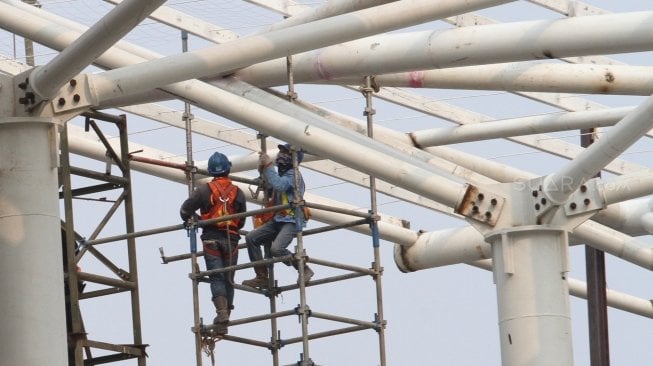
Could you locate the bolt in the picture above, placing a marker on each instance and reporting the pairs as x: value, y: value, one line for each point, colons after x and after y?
x: 586, y: 201
x: 76, y: 98
x: 73, y: 83
x: 572, y: 205
x: 475, y: 209
x: 22, y: 85
x: 543, y: 200
x: 61, y: 102
x: 537, y: 206
x: 494, y: 202
x: 488, y: 215
x: 22, y: 100
x: 535, y: 193
x: 583, y: 188
x: 480, y: 196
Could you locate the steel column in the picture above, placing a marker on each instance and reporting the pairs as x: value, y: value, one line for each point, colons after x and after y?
x: 32, y: 284
x: 530, y: 272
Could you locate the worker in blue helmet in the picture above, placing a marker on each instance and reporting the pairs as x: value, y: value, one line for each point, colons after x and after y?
x: 215, y: 199
x: 279, y: 232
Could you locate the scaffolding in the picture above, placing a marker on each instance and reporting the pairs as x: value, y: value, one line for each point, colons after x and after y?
x: 80, y: 347
x: 205, y: 334
x: 76, y: 246
x: 126, y: 280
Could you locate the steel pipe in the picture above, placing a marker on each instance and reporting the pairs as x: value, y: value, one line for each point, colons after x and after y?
x: 329, y: 9
x: 390, y: 231
x: 246, y: 51
x: 32, y: 283
x: 519, y: 126
x: 522, y: 77
x: 615, y: 299
x: 560, y: 185
x: 530, y: 270
x: 47, y: 79
x: 466, y: 46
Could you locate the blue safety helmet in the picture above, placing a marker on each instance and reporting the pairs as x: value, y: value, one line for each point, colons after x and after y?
x: 286, y: 148
x: 219, y: 164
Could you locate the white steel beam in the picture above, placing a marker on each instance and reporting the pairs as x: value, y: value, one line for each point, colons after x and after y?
x: 388, y: 226
x: 627, y: 187
x: 615, y: 299
x: 467, y: 46
x: 406, y: 152
x: 462, y: 116
x: 387, y: 166
x: 560, y: 185
x: 328, y: 9
x: 633, y: 217
x: 234, y: 136
x: 32, y: 311
x: 116, y: 59
x: 285, y: 7
x: 279, y: 43
x: 539, y: 77
x: 519, y: 126
x: 47, y: 79
x: 320, y: 141
x: 192, y: 25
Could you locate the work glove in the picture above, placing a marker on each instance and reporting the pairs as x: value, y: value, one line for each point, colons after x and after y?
x: 264, y: 161
x: 191, y: 223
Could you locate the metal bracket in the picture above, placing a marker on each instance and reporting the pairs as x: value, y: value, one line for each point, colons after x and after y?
x: 481, y: 206
x: 74, y: 95
x: 587, y: 198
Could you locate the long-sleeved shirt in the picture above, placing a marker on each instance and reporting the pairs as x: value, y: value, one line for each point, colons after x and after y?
x: 201, y: 199
x: 281, y: 184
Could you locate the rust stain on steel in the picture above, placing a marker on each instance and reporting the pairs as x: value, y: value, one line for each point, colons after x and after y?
x: 609, y: 78
x: 467, y: 202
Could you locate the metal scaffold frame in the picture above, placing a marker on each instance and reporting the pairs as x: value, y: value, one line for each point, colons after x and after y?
x: 76, y: 247
x: 521, y: 223
x: 206, y: 338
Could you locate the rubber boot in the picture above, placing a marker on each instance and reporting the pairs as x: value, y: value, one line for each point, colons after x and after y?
x: 261, y: 279
x: 222, y: 309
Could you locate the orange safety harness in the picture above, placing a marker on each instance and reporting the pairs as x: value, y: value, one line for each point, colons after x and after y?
x: 223, y: 191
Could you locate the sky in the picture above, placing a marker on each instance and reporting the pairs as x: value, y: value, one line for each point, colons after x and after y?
x: 439, y: 316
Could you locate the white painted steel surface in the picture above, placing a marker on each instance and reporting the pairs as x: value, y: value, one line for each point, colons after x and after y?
x: 532, y: 300
x: 32, y: 311
x: 474, y: 45
x: 538, y: 76
x: 530, y: 272
x: 558, y: 186
x: 230, y: 56
x: 47, y: 79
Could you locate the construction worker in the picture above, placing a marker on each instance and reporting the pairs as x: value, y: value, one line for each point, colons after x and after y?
x: 277, y: 233
x: 214, y: 199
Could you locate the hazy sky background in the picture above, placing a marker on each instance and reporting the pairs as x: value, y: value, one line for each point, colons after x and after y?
x: 441, y: 316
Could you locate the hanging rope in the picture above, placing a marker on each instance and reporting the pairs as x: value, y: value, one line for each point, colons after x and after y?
x: 208, y: 346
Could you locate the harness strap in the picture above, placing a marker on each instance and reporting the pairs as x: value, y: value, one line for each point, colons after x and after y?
x: 217, y: 252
